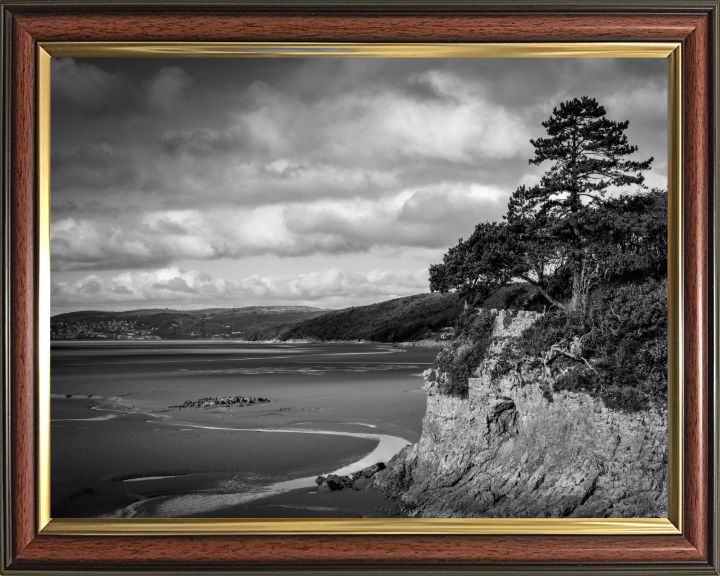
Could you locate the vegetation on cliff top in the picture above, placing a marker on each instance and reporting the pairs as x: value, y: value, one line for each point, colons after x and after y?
x: 456, y: 363
x: 615, y: 349
x: 598, y: 262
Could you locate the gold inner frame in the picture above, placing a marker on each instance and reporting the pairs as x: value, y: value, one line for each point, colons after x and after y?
x: 501, y: 526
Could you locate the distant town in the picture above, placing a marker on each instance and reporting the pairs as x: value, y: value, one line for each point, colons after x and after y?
x: 102, y: 330
x: 166, y: 324
x: 121, y: 330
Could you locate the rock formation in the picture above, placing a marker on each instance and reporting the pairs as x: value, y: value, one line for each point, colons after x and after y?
x: 221, y: 401
x: 515, y: 448
x: 357, y: 481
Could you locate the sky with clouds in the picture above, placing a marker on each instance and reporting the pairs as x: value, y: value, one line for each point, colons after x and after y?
x: 297, y: 181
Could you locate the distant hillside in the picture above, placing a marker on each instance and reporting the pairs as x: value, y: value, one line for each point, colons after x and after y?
x: 399, y: 320
x: 408, y: 319
x: 237, y: 323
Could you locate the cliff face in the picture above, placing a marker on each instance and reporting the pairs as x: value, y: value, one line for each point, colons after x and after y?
x: 514, y: 448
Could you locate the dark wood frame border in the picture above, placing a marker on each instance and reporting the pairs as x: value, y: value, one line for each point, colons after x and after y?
x: 694, y: 23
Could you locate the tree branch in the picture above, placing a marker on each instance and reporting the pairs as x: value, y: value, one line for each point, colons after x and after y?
x: 543, y: 293
x: 562, y: 352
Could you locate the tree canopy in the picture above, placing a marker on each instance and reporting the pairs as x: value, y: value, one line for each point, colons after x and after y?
x: 567, y: 234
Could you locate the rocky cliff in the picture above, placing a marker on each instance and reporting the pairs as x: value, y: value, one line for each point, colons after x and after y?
x: 516, y: 448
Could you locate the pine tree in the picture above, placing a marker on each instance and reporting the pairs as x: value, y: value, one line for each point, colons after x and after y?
x: 564, y: 236
x: 588, y: 152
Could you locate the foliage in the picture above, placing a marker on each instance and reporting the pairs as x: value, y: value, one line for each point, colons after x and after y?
x: 587, y: 152
x: 621, y: 337
x: 629, y: 237
x: 599, y: 259
x: 625, y: 239
x: 456, y: 363
x: 556, y: 235
x: 477, y: 267
x: 515, y: 296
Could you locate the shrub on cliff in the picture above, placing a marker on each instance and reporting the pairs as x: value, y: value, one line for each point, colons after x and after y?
x: 615, y: 349
x: 456, y: 363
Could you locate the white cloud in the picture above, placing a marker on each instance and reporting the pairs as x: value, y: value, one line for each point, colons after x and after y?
x: 157, y: 166
x: 381, y: 126
x: 332, y: 288
x: 430, y: 217
x: 644, y: 99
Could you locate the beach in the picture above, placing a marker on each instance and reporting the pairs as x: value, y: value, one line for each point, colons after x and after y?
x: 118, y: 451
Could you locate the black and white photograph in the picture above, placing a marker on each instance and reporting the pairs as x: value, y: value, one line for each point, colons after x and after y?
x: 325, y: 287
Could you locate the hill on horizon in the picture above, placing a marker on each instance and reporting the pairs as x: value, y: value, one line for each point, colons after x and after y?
x: 166, y: 323
x: 410, y: 318
x: 199, y: 311
x: 406, y: 319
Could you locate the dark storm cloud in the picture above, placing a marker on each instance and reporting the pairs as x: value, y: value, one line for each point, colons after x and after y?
x: 156, y: 161
x: 86, y: 89
x: 92, y: 166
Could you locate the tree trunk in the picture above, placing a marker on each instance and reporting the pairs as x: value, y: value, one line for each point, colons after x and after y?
x: 577, y: 290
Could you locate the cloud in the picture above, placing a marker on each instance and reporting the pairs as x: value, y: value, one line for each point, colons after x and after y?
x: 96, y: 244
x: 88, y: 90
x: 94, y: 166
x: 392, y: 160
x: 382, y: 124
x: 321, y: 129
x: 273, y: 145
x: 86, y: 87
x: 168, y: 87
x: 332, y: 288
x: 174, y: 285
x: 418, y: 218
x: 337, y: 285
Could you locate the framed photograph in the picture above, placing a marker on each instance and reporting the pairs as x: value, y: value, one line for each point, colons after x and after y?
x: 364, y: 287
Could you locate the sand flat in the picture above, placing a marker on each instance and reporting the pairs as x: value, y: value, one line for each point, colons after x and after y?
x: 354, y: 394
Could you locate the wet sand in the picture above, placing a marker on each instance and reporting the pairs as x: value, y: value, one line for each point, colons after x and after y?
x: 309, y: 503
x: 99, y: 456
x: 127, y: 457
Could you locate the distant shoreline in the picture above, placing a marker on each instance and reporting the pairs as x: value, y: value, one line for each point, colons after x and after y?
x: 407, y: 319
x: 428, y: 343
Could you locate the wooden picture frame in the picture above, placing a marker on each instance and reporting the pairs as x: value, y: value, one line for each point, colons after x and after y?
x: 28, y: 547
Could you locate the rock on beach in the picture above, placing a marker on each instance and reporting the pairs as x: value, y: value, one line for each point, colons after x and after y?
x: 357, y: 481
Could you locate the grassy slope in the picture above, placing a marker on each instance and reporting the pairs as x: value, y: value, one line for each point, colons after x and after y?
x: 402, y: 319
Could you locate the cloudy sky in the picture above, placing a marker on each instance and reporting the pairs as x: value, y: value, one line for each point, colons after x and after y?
x: 319, y: 182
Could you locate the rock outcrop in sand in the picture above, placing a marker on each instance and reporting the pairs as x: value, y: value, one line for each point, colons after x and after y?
x: 356, y: 481
x: 220, y: 401
x: 510, y: 449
